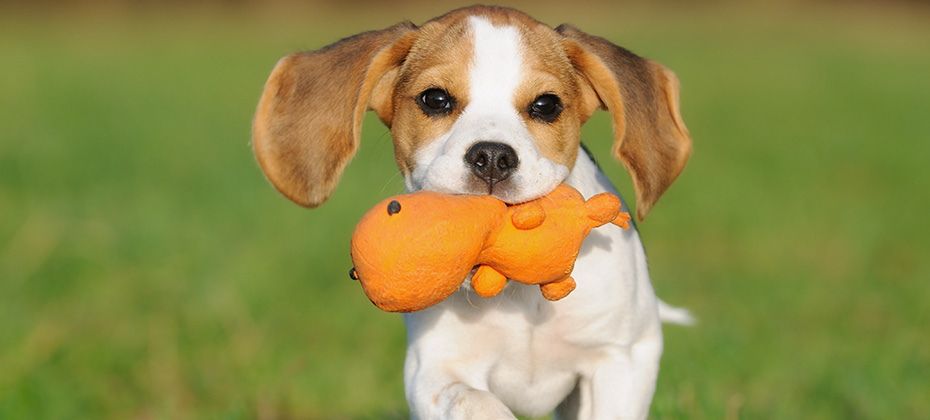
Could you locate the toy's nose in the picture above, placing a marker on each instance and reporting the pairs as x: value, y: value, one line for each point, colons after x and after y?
x: 491, y: 161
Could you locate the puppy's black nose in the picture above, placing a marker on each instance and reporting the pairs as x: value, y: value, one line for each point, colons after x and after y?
x: 491, y: 161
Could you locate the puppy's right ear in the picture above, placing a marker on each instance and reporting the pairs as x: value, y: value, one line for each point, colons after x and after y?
x: 309, y: 118
x: 650, y: 137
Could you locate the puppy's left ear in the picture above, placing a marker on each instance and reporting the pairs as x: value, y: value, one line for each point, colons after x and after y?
x: 650, y: 137
x: 308, y: 121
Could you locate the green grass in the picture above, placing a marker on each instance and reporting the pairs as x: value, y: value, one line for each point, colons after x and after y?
x: 147, y: 270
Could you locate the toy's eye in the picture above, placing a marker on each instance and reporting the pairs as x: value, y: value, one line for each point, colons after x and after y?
x: 393, y: 207
x: 436, y: 102
x: 545, y: 108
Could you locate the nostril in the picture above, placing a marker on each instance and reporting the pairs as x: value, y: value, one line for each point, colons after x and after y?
x: 503, y: 163
x: 481, y: 160
x: 491, y: 161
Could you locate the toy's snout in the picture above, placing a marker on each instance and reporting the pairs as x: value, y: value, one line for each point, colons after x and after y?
x: 392, y: 208
x: 412, y: 251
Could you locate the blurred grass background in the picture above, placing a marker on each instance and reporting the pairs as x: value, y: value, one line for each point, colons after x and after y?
x: 148, y: 271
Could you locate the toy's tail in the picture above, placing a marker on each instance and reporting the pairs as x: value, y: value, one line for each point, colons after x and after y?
x: 622, y: 220
x: 673, y: 315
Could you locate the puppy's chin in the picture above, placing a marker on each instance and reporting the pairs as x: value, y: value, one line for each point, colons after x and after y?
x: 509, y: 191
x: 506, y: 191
x: 527, y: 185
x: 502, y: 190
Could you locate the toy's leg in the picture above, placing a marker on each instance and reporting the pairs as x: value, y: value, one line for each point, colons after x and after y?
x: 557, y: 290
x: 528, y: 216
x: 487, y: 281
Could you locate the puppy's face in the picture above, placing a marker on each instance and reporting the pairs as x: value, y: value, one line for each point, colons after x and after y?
x: 482, y: 100
x: 485, y: 107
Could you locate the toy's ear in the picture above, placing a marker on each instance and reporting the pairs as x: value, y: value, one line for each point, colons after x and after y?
x: 603, y: 208
x: 308, y: 120
x: 650, y: 137
x: 528, y: 216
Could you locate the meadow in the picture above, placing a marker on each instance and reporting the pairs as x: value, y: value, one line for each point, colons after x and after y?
x: 149, y: 271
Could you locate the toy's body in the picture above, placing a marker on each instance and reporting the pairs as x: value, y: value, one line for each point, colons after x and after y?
x: 412, y: 251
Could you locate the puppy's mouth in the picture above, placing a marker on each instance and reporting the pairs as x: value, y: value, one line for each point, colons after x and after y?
x: 502, y: 190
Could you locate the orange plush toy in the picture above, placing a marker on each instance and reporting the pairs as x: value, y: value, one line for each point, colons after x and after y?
x: 414, y: 250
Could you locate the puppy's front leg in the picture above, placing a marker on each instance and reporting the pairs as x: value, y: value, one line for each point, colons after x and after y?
x: 454, y: 401
x: 621, y: 386
x: 444, y: 373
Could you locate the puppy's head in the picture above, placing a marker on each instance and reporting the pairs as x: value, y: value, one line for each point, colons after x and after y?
x: 482, y: 100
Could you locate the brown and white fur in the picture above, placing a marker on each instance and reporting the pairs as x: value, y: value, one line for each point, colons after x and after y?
x: 486, y: 100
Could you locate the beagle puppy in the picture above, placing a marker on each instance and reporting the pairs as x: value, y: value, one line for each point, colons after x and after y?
x: 487, y: 100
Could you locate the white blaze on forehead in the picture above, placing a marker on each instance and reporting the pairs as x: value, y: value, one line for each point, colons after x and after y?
x: 495, y: 72
x: 496, y: 69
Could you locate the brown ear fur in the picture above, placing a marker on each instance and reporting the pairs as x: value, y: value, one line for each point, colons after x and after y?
x: 650, y: 137
x: 308, y: 121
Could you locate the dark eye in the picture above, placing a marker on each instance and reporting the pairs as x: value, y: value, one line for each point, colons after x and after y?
x: 546, y: 108
x: 436, y: 102
x: 393, y: 207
